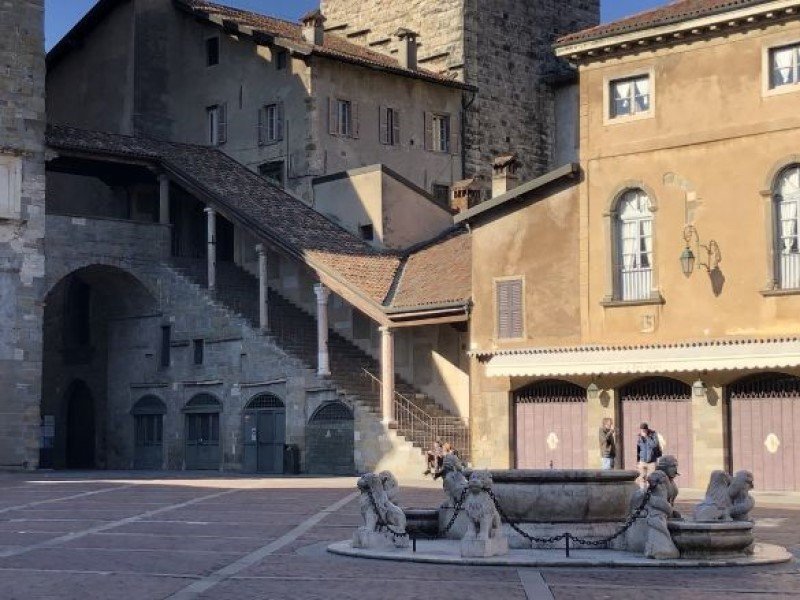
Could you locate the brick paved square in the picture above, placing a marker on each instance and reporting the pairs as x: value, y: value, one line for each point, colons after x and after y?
x: 148, y: 539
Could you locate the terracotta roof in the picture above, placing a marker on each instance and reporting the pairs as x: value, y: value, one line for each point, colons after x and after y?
x: 279, y: 216
x: 673, y: 12
x: 333, y: 46
x: 437, y: 273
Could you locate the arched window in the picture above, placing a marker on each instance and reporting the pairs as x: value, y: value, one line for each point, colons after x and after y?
x: 787, y: 198
x: 634, y: 239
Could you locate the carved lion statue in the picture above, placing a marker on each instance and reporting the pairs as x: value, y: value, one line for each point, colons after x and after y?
x: 382, y: 510
x: 454, y: 482
x: 483, y: 519
x: 739, y: 494
x: 717, y: 504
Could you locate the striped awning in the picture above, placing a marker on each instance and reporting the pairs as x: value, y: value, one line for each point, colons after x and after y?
x: 727, y: 355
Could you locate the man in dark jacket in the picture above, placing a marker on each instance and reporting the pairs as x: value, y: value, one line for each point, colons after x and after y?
x: 608, y: 444
x: 648, y: 451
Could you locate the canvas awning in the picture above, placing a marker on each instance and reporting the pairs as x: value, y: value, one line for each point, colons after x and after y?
x: 727, y: 355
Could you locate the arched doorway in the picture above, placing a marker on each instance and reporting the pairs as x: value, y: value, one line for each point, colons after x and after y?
x: 264, y: 434
x: 550, y: 420
x: 90, y: 317
x: 148, y: 433
x: 80, y: 427
x: 666, y: 406
x: 764, y: 425
x: 203, y: 450
x: 330, y: 436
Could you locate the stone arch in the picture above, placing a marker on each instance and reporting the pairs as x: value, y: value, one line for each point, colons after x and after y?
x: 775, y: 171
x: 630, y: 184
x: 330, y: 440
x: 82, y: 307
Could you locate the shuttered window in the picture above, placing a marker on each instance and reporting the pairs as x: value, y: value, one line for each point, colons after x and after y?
x: 217, y: 119
x: 270, y: 123
x: 343, y: 118
x: 389, y: 126
x: 510, y: 318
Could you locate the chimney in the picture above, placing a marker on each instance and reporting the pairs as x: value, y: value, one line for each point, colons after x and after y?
x: 313, y: 27
x: 504, y: 178
x: 466, y: 194
x: 407, y: 50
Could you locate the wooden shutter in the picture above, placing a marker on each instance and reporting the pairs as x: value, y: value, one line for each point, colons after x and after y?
x: 279, y: 121
x: 383, y: 124
x: 222, y: 123
x: 396, y: 127
x: 454, y: 124
x: 262, y: 117
x: 428, y: 131
x: 510, y: 318
x: 333, y: 116
x: 354, y: 120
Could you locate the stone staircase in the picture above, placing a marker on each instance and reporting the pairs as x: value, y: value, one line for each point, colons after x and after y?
x: 352, y: 370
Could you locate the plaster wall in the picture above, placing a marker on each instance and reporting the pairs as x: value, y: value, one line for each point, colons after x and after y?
x: 708, y: 156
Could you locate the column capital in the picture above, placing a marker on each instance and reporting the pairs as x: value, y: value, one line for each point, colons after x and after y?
x: 261, y: 249
x: 209, y: 210
x: 322, y: 292
x: 163, y: 177
x: 386, y: 330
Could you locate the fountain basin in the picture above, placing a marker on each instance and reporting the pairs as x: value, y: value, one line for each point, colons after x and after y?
x: 712, y: 540
x: 565, y: 496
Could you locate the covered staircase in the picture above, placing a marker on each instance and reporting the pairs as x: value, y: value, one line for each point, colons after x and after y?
x: 353, y: 372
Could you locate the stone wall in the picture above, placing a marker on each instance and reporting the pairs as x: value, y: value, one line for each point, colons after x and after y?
x: 504, y: 47
x: 21, y: 228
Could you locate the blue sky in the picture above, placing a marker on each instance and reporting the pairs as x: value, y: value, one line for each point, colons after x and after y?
x: 61, y: 15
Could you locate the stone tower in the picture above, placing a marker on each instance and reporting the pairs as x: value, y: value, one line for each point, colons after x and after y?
x: 503, y: 47
x: 22, y: 190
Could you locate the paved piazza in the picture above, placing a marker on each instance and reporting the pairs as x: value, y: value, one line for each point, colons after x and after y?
x: 120, y: 535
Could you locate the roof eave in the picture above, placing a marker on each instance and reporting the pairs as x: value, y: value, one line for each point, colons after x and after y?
x: 677, y: 30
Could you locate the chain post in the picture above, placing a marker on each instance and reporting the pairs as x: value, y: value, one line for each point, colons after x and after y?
x: 566, y: 542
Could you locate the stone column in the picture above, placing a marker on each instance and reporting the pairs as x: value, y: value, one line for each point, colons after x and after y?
x: 387, y: 375
x: 323, y: 359
x: 211, y: 239
x: 708, y: 434
x: 263, y: 289
x: 163, y: 199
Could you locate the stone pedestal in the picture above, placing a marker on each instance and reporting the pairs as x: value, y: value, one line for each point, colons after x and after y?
x: 373, y: 540
x: 496, y: 546
x: 712, y: 540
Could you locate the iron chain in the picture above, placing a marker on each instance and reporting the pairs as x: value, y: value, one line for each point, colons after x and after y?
x: 381, y: 523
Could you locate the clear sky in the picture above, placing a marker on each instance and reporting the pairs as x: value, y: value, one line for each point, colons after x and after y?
x: 61, y: 15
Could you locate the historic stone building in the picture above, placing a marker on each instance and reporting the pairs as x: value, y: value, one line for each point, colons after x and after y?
x: 657, y: 280
x: 504, y: 48
x: 22, y: 228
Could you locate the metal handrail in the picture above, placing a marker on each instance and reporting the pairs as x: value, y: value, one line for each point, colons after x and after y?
x: 415, y: 422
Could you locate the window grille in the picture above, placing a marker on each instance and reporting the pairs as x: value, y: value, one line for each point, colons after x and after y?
x: 550, y: 392
x: 264, y: 401
x: 765, y: 385
x: 656, y: 388
x: 333, y: 411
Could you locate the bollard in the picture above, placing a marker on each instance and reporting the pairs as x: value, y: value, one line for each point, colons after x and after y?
x: 566, y: 541
x: 414, y: 543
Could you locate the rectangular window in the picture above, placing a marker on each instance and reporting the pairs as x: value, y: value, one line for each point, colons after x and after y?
x: 389, y: 123
x: 273, y: 171
x: 199, y: 350
x: 441, y: 193
x: 437, y: 132
x: 367, y: 232
x: 281, y: 60
x: 510, y: 319
x: 166, y: 342
x: 629, y: 97
x: 270, y: 123
x: 212, y: 51
x: 784, y: 66
x: 216, y: 124
x: 10, y: 187
x: 343, y: 118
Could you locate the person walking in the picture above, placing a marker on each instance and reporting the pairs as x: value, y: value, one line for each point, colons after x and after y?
x: 648, y: 451
x: 608, y: 444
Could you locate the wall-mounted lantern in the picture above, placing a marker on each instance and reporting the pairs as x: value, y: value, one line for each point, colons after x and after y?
x: 713, y: 255
x: 593, y: 391
x: 699, y: 388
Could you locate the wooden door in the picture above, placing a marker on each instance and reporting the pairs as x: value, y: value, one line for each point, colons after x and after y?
x: 330, y: 439
x: 271, y: 440
x: 665, y: 405
x: 765, y: 421
x: 148, y: 446
x: 202, y: 441
x: 551, y: 425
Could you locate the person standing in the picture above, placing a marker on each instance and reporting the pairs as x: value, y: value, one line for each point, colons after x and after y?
x: 648, y: 451
x: 608, y: 444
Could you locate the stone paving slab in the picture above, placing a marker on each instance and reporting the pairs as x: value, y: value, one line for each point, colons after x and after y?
x: 157, y: 556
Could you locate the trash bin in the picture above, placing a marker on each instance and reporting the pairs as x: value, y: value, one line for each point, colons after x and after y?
x: 291, y: 459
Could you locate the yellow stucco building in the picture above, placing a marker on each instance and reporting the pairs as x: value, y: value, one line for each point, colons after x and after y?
x: 659, y: 279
